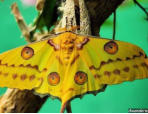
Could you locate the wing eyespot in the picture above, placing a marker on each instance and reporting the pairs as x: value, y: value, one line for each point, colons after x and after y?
x: 111, y: 47
x: 27, y: 53
x: 80, y: 78
x: 53, y: 78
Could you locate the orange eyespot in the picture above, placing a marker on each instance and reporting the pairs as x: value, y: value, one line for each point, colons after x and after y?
x: 53, y: 78
x: 111, y: 47
x: 80, y: 78
x: 27, y: 53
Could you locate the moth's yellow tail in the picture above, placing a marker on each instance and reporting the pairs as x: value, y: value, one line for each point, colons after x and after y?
x: 66, y: 106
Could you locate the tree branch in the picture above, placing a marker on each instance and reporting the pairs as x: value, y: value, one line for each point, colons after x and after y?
x: 20, y: 21
x: 14, y: 101
x: 99, y: 11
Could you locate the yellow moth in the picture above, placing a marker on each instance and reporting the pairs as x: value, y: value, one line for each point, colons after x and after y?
x: 69, y: 65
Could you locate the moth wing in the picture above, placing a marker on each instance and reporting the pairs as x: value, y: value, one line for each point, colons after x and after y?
x: 24, y: 67
x: 127, y: 63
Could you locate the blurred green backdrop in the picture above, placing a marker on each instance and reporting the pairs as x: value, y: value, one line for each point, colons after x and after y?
x: 131, y: 27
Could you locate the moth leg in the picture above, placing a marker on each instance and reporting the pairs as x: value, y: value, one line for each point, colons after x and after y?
x: 141, y: 7
x: 66, y: 106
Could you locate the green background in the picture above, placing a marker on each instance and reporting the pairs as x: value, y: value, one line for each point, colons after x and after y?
x: 131, y: 27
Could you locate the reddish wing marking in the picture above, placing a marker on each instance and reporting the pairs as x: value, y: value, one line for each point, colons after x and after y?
x: 80, y: 45
x: 56, y: 46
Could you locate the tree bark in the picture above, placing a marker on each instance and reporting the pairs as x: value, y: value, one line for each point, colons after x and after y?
x: 15, y: 100
x: 99, y: 11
